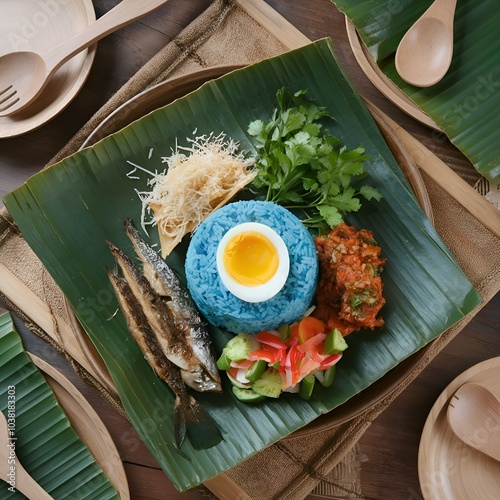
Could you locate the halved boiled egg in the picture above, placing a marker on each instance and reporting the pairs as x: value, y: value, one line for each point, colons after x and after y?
x: 253, y: 262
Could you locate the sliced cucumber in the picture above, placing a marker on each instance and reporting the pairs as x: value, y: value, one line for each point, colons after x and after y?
x: 240, y: 347
x: 256, y: 370
x: 247, y: 395
x: 284, y: 332
x: 326, y: 377
x: 307, y: 386
x: 223, y: 363
x: 268, y: 384
x: 335, y: 342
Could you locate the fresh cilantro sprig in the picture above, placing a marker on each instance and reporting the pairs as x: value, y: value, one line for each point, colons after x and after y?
x: 301, y: 166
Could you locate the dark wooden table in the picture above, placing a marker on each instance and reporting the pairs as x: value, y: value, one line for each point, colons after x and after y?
x: 391, y: 444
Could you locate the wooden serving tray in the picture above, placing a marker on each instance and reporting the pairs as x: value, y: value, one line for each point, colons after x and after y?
x: 63, y: 333
x: 408, y: 151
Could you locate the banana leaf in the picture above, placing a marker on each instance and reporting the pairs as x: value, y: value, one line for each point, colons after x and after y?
x: 45, y: 443
x: 67, y: 212
x: 464, y: 103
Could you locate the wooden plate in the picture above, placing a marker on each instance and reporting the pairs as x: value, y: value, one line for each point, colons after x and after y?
x: 448, y: 469
x: 39, y: 26
x: 153, y: 98
x: 87, y: 424
x: 384, y: 84
x: 170, y: 90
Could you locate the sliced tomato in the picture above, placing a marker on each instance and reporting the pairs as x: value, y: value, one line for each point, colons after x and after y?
x: 258, y: 354
x: 313, y: 343
x: 294, y: 333
x: 307, y: 366
x: 329, y: 361
x: 269, y: 354
x: 270, y: 339
x: 291, y: 364
x: 310, y: 327
x: 296, y: 357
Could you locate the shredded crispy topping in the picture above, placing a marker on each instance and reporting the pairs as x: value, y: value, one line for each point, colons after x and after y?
x: 199, y: 179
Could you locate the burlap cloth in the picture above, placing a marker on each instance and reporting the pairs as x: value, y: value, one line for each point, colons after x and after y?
x: 292, y: 468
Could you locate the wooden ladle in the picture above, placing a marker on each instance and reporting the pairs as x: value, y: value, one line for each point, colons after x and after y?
x: 18, y: 477
x: 424, y: 54
x: 474, y: 416
x: 24, y: 74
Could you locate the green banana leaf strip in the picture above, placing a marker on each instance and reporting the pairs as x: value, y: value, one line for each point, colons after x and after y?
x: 382, y: 23
x: 45, y: 443
x: 465, y: 102
x: 68, y: 211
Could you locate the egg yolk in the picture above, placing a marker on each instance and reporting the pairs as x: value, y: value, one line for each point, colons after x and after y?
x: 251, y: 259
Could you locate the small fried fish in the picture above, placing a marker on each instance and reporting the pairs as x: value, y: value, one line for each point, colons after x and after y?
x: 190, y: 417
x: 168, y: 329
x: 188, y: 322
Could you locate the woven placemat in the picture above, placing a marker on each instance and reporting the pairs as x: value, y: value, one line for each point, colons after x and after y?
x: 226, y: 34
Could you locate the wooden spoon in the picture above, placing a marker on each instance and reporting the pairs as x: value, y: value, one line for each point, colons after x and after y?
x: 18, y: 478
x: 23, y: 75
x: 474, y: 416
x: 425, y: 52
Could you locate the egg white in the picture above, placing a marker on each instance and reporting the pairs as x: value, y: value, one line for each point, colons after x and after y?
x: 256, y: 293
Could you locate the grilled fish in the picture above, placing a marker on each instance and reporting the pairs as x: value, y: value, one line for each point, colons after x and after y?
x: 190, y: 346
x: 190, y: 417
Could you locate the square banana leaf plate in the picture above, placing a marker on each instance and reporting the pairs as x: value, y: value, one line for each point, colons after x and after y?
x: 68, y: 211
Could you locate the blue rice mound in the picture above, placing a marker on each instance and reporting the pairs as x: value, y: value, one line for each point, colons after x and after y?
x: 217, y: 304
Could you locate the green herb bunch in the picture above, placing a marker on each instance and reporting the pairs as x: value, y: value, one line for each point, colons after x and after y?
x: 301, y: 166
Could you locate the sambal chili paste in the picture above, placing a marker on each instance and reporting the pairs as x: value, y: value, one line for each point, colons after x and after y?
x: 349, y: 294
